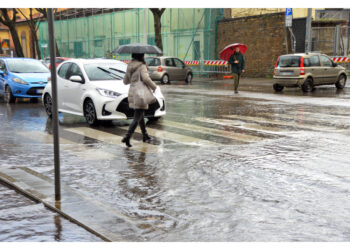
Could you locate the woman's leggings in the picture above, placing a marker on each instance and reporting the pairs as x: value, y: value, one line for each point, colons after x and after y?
x: 138, y: 119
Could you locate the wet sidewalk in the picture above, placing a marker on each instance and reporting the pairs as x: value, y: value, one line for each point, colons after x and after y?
x: 101, y: 220
x: 22, y: 219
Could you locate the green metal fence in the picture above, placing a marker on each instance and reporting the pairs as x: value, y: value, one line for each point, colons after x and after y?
x: 189, y: 34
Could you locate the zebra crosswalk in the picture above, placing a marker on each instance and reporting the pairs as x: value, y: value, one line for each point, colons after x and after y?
x: 195, y: 132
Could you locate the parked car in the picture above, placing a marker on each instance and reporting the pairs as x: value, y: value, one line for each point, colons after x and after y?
x: 94, y: 88
x: 307, y: 70
x: 166, y: 69
x: 22, y: 78
x: 59, y: 60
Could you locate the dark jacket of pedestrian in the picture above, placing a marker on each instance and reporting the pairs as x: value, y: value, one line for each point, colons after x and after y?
x: 133, y: 70
x: 237, y: 67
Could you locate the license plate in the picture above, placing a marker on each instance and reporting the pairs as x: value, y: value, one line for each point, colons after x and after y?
x: 150, y: 72
x: 39, y: 91
x: 286, y: 73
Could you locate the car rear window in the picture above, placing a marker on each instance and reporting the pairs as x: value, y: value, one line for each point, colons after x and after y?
x: 152, y: 61
x: 289, y: 61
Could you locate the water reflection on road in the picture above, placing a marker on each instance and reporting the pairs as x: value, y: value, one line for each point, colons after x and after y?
x: 256, y: 166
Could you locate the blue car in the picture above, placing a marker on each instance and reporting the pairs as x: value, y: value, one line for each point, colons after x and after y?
x: 22, y: 78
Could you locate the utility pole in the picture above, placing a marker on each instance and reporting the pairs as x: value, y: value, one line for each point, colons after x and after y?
x: 308, y: 33
x: 55, y: 131
x: 144, y: 26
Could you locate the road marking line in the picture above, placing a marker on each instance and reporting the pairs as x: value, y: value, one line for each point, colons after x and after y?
x: 283, y: 123
x: 70, y: 146
x: 301, y: 117
x: 212, y: 131
x: 184, y: 139
x: 240, y: 124
x: 115, y: 139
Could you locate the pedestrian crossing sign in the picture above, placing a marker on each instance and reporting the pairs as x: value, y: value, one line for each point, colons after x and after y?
x: 5, y: 46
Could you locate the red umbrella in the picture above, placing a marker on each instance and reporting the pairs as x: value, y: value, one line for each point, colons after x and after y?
x: 226, y: 53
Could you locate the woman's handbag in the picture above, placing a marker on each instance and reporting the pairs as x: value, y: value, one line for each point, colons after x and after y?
x: 143, y: 94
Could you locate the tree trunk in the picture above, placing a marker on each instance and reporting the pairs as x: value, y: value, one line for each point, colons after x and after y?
x: 11, y: 24
x: 16, y: 41
x: 158, y: 32
x: 157, y: 14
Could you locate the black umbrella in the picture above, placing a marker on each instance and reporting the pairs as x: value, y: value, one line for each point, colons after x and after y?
x: 137, y: 48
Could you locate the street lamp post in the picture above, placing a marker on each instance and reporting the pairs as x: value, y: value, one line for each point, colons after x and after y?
x: 56, y: 142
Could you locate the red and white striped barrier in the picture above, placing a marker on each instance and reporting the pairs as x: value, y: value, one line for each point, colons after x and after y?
x: 215, y: 62
x: 125, y: 61
x: 341, y: 59
x: 192, y: 63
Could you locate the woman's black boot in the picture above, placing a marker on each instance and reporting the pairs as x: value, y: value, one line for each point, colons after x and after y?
x: 126, y: 140
x: 146, y: 137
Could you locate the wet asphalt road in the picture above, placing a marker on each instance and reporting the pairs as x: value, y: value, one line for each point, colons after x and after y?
x: 256, y: 166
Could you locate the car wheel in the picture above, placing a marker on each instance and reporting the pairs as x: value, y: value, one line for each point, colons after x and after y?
x: 48, y: 105
x: 308, y: 85
x: 9, y: 98
x: 189, y: 78
x: 340, y: 84
x: 278, y: 87
x: 90, y: 113
x: 165, y: 79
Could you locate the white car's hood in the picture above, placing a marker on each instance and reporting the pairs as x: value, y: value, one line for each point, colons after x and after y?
x: 116, y: 86
x: 120, y: 87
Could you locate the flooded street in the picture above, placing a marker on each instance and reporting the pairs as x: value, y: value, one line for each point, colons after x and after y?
x: 256, y: 166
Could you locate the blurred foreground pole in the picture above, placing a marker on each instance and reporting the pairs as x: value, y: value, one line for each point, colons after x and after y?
x: 55, y: 131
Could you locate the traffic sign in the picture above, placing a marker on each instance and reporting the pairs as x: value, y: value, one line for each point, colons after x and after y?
x: 289, y: 17
x: 5, y: 46
x: 44, y: 45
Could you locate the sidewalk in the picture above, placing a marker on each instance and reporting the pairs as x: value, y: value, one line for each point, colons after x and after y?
x: 99, y: 219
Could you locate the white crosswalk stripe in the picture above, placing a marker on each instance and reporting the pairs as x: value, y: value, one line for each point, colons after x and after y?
x: 241, y: 124
x: 295, y: 124
x: 184, y: 139
x: 115, y: 139
x: 212, y: 131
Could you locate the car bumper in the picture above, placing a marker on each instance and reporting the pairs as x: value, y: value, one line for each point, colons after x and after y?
x: 156, y: 76
x: 288, y: 81
x: 119, y: 109
x: 27, y: 91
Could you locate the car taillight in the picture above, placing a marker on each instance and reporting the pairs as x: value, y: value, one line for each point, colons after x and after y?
x: 160, y: 69
x: 274, y: 71
x: 302, y: 69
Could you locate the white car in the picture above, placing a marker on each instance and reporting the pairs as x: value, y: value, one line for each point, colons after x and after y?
x: 94, y: 88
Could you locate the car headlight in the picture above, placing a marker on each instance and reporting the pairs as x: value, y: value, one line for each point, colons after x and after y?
x: 108, y: 93
x: 19, y: 80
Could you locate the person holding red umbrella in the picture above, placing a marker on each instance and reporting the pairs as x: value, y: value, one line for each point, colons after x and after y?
x: 233, y: 53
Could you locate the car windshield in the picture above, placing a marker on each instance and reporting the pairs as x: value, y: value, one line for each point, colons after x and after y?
x: 105, y: 71
x: 26, y: 66
x: 289, y: 61
x: 151, y: 61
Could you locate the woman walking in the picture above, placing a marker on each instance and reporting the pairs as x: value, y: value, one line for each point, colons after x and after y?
x: 136, y: 72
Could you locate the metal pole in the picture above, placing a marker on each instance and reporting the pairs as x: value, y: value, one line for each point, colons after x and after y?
x: 308, y: 35
x: 54, y: 104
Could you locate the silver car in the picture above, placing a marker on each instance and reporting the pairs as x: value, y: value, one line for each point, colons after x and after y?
x: 307, y: 70
x: 166, y: 69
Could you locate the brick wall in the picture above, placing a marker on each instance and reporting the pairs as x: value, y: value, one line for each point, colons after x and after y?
x: 264, y: 36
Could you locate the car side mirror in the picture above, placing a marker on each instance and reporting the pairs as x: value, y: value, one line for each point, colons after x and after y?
x: 2, y: 73
x: 76, y: 78
x: 334, y: 64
